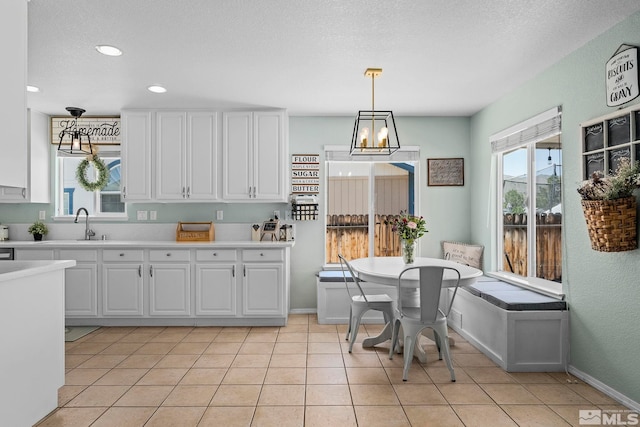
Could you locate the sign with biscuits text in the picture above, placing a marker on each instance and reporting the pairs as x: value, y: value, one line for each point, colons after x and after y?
x: 622, y: 76
x: 305, y: 173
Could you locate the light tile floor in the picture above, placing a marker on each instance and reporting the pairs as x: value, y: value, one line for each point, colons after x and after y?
x: 301, y: 374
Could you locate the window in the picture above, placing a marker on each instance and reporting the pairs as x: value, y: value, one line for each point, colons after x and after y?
x: 529, y: 202
x: 362, y: 197
x: 71, y: 196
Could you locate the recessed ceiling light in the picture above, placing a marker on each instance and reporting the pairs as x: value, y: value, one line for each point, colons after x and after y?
x: 108, y: 50
x: 33, y: 88
x: 156, y: 89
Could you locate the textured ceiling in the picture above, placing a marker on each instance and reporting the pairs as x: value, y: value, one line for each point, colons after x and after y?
x: 439, y: 57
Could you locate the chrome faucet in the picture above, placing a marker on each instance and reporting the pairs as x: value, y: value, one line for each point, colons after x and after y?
x: 88, y: 233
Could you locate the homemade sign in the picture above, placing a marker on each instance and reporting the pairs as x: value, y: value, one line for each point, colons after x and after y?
x: 442, y: 172
x: 622, y: 76
x: 305, y: 173
x: 101, y: 130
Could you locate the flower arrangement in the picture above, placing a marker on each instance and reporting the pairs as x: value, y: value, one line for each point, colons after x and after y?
x: 38, y: 227
x: 409, y: 227
x: 618, y: 185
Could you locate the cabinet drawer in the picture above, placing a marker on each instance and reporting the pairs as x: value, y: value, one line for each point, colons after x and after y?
x: 216, y: 255
x: 78, y: 255
x: 169, y: 255
x: 263, y: 255
x: 136, y: 255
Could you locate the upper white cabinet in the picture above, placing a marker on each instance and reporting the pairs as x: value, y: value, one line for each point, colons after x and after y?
x: 13, y: 107
x: 136, y: 156
x: 37, y: 170
x: 186, y: 156
x: 254, y: 147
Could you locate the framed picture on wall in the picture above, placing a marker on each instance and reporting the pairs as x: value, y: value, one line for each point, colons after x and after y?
x: 445, y: 172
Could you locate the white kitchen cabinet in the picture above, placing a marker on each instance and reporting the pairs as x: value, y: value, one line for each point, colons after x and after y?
x: 254, y: 156
x: 81, y: 283
x: 215, y: 280
x: 186, y: 156
x: 37, y: 188
x: 136, y: 156
x: 169, y: 283
x: 13, y: 108
x: 263, y: 293
x: 33, y: 254
x: 122, y: 282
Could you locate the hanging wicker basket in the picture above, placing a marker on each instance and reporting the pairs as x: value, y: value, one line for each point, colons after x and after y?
x: 611, y: 224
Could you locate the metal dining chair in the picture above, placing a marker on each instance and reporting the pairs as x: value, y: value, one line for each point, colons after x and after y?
x: 428, y: 315
x: 361, y: 303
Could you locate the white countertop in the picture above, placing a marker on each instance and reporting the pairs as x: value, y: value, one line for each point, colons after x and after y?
x: 140, y: 243
x: 11, y: 270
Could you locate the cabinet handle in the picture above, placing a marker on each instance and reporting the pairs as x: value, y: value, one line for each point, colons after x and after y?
x: 168, y: 253
x: 249, y: 191
x: 139, y: 271
x: 261, y: 254
x: 24, y: 193
x: 254, y: 192
x: 233, y: 271
x: 124, y: 192
x: 188, y: 192
x: 215, y: 254
x: 183, y: 194
x: 151, y: 270
x: 244, y: 271
x: 121, y: 254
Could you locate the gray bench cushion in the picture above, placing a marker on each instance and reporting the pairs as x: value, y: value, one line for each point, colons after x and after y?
x: 512, y: 297
x: 333, y: 276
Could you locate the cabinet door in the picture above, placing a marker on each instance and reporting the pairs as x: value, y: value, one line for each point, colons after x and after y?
x: 269, y: 169
x: 216, y: 289
x: 263, y: 290
x: 136, y: 156
x: 169, y: 290
x: 81, y: 290
x: 122, y: 289
x: 170, y: 156
x: 202, y: 156
x: 33, y: 254
x: 236, y: 156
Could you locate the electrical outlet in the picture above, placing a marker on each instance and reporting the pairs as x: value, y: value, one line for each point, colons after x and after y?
x: 153, y: 215
x: 142, y: 215
x: 276, y: 214
x: 42, y: 215
x: 219, y: 215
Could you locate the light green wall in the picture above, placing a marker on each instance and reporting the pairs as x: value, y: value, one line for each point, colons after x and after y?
x: 602, y: 288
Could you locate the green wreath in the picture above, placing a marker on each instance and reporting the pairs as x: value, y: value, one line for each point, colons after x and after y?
x: 101, y: 168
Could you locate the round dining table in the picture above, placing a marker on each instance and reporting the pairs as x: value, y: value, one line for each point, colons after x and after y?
x: 386, y: 270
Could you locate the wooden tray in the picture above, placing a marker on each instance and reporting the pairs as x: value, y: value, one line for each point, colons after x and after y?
x: 195, y: 232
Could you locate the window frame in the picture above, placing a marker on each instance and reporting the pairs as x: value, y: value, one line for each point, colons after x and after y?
x: 60, y: 190
x: 530, y: 281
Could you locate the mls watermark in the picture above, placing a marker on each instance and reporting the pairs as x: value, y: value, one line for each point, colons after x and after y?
x: 606, y: 417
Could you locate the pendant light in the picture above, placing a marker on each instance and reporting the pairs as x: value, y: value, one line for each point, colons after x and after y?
x: 75, y: 139
x: 374, y: 132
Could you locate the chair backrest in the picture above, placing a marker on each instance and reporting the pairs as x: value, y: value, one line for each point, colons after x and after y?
x: 344, y: 263
x: 430, y: 278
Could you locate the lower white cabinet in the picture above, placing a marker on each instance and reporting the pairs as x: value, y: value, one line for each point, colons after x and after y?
x: 122, y: 289
x: 185, y: 286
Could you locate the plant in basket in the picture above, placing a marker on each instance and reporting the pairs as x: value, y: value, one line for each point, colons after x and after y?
x: 609, y: 207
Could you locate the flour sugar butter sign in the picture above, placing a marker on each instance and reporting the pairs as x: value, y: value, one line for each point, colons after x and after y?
x: 305, y: 173
x: 622, y: 76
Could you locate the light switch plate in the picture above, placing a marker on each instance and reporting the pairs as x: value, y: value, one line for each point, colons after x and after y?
x: 153, y: 215
x: 142, y: 215
x: 42, y: 215
x: 219, y: 215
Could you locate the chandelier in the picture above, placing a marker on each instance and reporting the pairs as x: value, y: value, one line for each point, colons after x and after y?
x: 76, y: 138
x: 374, y: 132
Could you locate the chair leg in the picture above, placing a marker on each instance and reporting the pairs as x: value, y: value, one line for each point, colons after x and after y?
x: 349, y: 327
x: 444, y: 339
x: 409, y: 346
x: 395, y: 328
x: 436, y: 338
x: 354, y: 331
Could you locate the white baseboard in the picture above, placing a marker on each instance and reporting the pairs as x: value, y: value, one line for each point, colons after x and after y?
x: 614, y: 394
x: 303, y: 311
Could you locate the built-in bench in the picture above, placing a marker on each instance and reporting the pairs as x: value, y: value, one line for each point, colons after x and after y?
x: 519, y: 329
x: 334, y: 301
